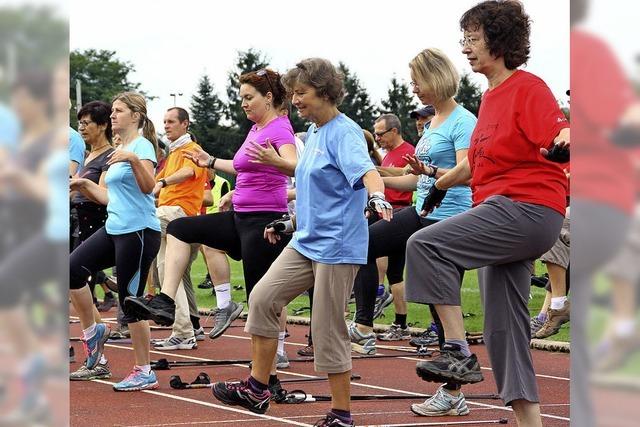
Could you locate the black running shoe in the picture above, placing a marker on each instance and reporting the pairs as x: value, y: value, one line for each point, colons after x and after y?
x: 159, y: 308
x: 206, y: 283
x: 331, y: 420
x: 240, y: 394
x: 451, y: 366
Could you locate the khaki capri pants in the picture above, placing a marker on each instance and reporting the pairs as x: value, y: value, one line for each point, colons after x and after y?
x: 291, y: 274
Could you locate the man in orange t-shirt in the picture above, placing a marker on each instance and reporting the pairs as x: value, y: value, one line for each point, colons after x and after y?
x: 179, y: 191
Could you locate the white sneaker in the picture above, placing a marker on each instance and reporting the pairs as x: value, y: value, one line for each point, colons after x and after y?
x: 177, y: 343
x: 441, y: 403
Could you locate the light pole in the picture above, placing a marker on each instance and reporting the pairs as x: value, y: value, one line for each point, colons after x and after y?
x: 175, y: 95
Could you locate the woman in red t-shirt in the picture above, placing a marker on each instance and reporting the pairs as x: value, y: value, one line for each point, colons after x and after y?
x: 519, y: 196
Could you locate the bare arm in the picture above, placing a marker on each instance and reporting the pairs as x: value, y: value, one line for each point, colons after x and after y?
x: 179, y: 176
x: 143, y: 170
x: 459, y: 175
x: 391, y: 171
x: 95, y: 192
x: 401, y: 183
x: 203, y: 159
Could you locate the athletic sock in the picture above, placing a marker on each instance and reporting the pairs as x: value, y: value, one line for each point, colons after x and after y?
x: 257, y: 386
x: 281, y: 343
x: 195, y: 322
x: 273, y: 379
x: 401, y: 319
x: 557, y: 303
x: 103, y: 360
x: 223, y: 295
x: 380, y: 290
x: 144, y: 368
x: 89, y: 332
x: 344, y: 416
x: 542, y: 316
x: 463, y: 344
x: 108, y: 295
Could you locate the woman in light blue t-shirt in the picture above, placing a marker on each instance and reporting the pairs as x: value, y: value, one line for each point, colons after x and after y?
x: 130, y: 239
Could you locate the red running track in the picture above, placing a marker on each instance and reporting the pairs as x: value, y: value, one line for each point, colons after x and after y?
x: 96, y: 404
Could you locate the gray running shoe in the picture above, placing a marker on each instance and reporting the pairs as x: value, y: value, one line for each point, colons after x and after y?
x: 395, y: 333
x: 100, y: 372
x: 282, y: 361
x: 199, y: 333
x: 441, y: 403
x: 382, y: 302
x: 224, y: 317
x: 177, y: 343
x: 536, y: 325
x: 363, y: 344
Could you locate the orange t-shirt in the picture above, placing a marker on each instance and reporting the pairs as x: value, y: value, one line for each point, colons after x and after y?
x: 188, y: 194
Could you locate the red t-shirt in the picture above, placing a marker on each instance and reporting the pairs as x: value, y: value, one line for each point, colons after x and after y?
x: 393, y: 159
x: 515, y: 120
x: 600, y: 93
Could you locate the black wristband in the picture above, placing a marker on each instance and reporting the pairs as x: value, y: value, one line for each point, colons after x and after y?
x: 435, y: 170
x: 212, y: 162
x: 164, y: 182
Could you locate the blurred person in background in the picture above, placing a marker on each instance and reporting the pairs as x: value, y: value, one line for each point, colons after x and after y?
x: 130, y: 238
x: 423, y: 117
x: 33, y: 182
x: 603, y: 103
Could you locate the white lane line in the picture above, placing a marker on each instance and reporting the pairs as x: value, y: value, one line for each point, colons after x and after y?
x: 213, y: 405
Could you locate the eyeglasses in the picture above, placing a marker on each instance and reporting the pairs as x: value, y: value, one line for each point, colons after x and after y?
x: 84, y: 123
x: 263, y: 73
x: 381, y: 134
x: 468, y: 41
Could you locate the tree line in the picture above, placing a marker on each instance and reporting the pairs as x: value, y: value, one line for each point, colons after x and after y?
x: 220, y: 125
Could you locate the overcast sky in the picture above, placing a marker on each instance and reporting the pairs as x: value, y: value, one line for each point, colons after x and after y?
x: 173, y: 43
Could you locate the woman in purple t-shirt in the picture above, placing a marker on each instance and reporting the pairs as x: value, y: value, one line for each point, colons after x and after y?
x: 262, y: 164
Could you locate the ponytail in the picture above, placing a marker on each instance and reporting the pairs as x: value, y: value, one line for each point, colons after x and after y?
x: 149, y: 132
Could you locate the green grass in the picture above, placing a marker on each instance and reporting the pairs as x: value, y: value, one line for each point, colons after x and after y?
x: 417, y: 314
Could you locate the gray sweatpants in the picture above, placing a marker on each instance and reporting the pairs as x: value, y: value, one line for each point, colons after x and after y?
x: 501, y: 238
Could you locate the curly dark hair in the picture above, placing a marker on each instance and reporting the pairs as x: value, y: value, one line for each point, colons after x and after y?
x: 506, y: 29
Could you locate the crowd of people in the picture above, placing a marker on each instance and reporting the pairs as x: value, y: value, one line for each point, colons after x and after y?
x: 490, y: 195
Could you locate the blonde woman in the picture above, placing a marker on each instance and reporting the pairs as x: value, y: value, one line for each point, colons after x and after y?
x: 129, y: 240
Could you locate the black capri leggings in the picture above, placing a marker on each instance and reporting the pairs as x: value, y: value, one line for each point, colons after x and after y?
x: 239, y: 234
x: 385, y: 239
x: 131, y: 253
x: 90, y: 217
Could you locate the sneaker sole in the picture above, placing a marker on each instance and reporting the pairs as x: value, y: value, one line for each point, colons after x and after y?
x: 93, y: 377
x: 229, y: 402
x: 282, y: 365
x: 140, y: 388
x: 360, y: 349
x: 439, y: 376
x: 144, y: 312
x: 177, y: 347
x: 234, y: 315
x: 452, y: 412
x: 383, y: 338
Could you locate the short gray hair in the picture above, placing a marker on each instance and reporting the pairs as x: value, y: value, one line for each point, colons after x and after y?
x: 320, y: 74
x: 391, y: 120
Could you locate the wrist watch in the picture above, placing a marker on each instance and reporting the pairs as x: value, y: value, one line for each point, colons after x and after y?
x: 434, y: 168
x: 163, y: 182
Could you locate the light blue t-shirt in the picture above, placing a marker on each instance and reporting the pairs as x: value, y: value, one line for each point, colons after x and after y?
x: 330, y: 224
x: 76, y: 148
x: 57, y: 170
x: 9, y: 129
x: 439, y: 146
x: 129, y: 209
